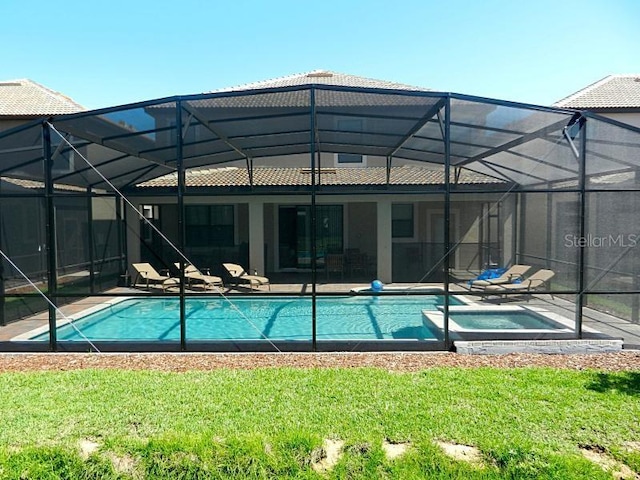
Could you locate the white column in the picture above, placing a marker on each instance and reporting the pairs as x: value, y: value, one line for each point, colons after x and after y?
x: 256, y: 238
x: 384, y: 240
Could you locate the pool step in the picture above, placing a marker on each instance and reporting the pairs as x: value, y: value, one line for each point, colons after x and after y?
x: 497, y: 347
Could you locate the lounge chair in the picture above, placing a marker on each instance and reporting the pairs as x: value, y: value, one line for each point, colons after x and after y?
x: 195, y: 276
x: 149, y: 276
x: 238, y: 274
x: 534, y: 282
x: 516, y: 272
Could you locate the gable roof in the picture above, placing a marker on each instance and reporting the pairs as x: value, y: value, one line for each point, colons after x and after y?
x: 321, y: 77
x: 26, y: 98
x: 612, y: 92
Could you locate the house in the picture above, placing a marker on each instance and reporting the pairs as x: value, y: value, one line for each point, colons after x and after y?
x: 23, y: 214
x: 24, y: 100
x: 403, y: 183
x: 615, y: 96
x: 384, y: 215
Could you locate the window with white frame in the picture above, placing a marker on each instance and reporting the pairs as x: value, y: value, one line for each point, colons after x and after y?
x: 402, y: 220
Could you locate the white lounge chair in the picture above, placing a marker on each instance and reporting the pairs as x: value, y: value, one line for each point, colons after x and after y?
x: 195, y: 276
x: 238, y: 274
x: 149, y: 276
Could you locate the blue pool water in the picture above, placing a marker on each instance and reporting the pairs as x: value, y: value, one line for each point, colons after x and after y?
x: 496, y: 320
x: 254, y: 318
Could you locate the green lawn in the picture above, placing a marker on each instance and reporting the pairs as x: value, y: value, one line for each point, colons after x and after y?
x: 270, y: 423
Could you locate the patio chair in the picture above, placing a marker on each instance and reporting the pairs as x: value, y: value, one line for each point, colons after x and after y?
x: 536, y: 281
x: 195, y: 276
x: 149, y: 276
x: 334, y: 263
x: 238, y: 274
x: 516, y: 272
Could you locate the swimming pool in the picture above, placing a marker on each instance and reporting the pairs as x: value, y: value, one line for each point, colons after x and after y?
x: 256, y: 318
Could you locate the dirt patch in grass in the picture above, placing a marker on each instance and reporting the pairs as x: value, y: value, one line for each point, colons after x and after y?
x: 463, y: 453
x: 401, y: 362
x: 325, y: 458
x: 599, y: 456
x: 124, y: 464
x: 632, y: 446
x: 87, y: 447
x: 393, y: 450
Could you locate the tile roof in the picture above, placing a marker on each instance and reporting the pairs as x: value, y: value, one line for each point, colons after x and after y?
x: 36, y: 185
x: 612, y: 92
x: 342, y: 176
x: 322, y: 77
x: 26, y: 98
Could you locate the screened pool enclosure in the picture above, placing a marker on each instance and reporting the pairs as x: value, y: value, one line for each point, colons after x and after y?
x: 116, y: 224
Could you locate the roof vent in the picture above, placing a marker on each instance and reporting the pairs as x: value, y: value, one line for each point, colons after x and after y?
x: 320, y: 74
x: 10, y: 84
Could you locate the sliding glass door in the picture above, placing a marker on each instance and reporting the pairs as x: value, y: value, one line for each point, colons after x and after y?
x: 295, y: 230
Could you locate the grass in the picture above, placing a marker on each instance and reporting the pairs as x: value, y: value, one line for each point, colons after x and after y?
x: 271, y: 423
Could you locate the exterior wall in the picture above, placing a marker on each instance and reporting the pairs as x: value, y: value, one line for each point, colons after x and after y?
x: 270, y: 229
x: 534, y: 228
x: 466, y: 234
x: 509, y: 229
x: 361, y: 230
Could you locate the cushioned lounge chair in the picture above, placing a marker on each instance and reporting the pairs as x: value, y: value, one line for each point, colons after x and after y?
x: 149, y: 276
x: 514, y: 273
x: 536, y: 281
x: 239, y: 275
x: 196, y: 277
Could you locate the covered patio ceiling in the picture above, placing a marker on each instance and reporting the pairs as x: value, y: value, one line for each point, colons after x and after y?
x: 531, y: 146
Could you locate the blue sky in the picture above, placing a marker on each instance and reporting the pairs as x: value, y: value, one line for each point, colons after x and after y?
x: 116, y: 52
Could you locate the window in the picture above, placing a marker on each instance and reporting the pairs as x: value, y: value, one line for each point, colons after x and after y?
x: 208, y: 225
x: 402, y: 220
x: 352, y: 158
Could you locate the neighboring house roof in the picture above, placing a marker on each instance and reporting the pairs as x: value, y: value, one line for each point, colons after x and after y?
x: 321, y: 77
x: 36, y: 185
x: 292, y: 176
x: 612, y: 92
x: 26, y: 98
